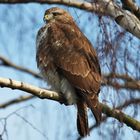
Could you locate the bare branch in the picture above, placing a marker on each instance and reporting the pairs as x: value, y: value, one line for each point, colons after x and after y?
x: 71, y: 3
x: 129, y: 102
x: 30, y: 124
x: 26, y: 98
x: 105, y: 7
x: 119, y: 76
x: 15, y: 101
x: 126, y: 85
x: 125, y: 19
x: 36, y: 91
x: 6, y: 62
x: 134, y: 124
x: 47, y: 94
x: 129, y: 82
x: 131, y: 6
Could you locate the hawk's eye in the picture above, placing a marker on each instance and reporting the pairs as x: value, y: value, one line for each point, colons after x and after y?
x: 56, y: 13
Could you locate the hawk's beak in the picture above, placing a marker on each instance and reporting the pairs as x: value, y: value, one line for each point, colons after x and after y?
x: 47, y: 17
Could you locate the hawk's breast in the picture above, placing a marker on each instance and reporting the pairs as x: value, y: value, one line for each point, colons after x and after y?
x: 47, y: 67
x: 45, y: 59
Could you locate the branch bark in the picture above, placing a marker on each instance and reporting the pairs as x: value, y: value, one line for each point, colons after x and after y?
x: 134, y: 124
x: 131, y: 6
x: 105, y: 7
x: 36, y: 91
x: 52, y: 95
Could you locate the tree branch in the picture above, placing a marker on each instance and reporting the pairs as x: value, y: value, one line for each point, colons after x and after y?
x: 134, y: 124
x: 127, y: 85
x: 36, y: 91
x: 5, y: 62
x: 47, y: 94
x: 129, y: 102
x: 125, y: 19
x: 119, y: 76
x: 131, y: 6
x: 105, y: 7
x: 15, y: 101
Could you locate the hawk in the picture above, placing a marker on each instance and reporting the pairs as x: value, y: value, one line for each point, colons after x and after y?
x: 69, y: 64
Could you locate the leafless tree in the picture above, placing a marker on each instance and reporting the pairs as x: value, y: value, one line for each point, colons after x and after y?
x: 114, y: 29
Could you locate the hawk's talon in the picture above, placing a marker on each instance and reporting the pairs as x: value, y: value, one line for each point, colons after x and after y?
x: 63, y: 100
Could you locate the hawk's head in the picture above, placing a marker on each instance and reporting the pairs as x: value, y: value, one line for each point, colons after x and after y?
x: 56, y: 13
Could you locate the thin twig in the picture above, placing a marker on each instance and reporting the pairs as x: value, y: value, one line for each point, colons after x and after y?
x: 129, y: 102
x: 4, y: 61
x: 17, y: 100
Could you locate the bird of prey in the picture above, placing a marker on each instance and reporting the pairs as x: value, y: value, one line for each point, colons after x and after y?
x: 69, y: 64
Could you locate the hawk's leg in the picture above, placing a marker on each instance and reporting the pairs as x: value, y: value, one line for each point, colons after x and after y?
x: 63, y: 100
x: 67, y: 91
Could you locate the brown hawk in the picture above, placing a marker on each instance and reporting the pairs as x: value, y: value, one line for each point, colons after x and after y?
x: 69, y: 63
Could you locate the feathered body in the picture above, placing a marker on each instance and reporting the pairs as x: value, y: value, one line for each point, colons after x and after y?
x: 69, y: 63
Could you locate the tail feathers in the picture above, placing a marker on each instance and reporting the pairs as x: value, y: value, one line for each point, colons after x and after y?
x: 82, y: 119
x: 95, y: 107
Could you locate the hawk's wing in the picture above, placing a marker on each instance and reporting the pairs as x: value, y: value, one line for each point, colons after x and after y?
x: 77, y: 60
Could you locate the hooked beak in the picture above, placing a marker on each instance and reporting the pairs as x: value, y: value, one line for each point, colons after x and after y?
x: 48, y: 17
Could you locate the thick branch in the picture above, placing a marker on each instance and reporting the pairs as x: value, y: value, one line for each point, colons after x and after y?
x: 130, y: 83
x: 47, y: 94
x: 134, y: 124
x: 36, y: 91
x: 106, y: 7
x: 131, y: 6
x: 124, y: 18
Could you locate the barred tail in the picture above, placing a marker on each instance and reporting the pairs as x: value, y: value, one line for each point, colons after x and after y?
x: 95, y: 107
x: 82, y: 118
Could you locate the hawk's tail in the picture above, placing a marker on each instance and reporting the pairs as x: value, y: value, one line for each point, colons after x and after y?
x: 95, y: 107
x: 82, y: 118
